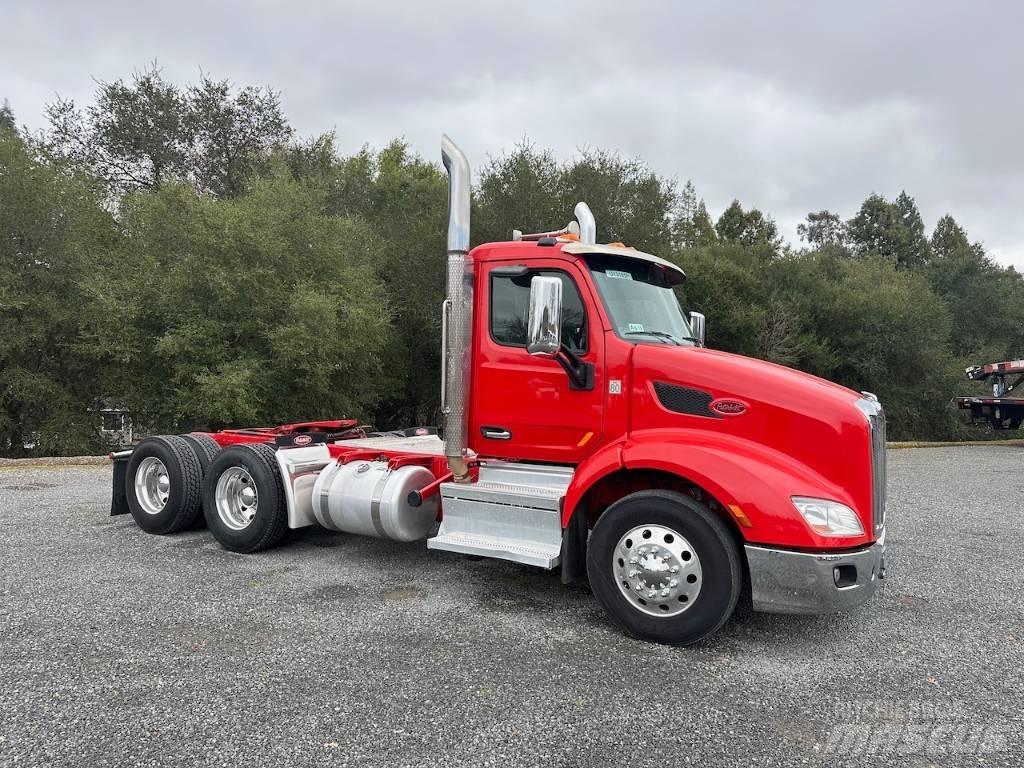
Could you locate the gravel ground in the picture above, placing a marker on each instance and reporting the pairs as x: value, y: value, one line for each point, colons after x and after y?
x: 118, y: 648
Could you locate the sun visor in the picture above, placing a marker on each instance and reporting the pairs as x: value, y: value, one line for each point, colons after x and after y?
x: 674, y: 275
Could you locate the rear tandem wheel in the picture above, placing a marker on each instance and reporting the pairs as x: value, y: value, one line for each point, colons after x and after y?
x: 243, y: 499
x: 163, y: 483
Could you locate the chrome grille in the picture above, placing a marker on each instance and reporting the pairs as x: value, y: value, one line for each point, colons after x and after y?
x: 878, y: 468
x: 872, y: 409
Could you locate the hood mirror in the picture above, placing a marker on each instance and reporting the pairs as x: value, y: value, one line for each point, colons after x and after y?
x: 544, y: 326
x: 697, y: 324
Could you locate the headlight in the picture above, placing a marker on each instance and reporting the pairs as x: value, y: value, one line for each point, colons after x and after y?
x: 828, y: 518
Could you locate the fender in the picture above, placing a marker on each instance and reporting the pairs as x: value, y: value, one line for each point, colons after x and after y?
x: 601, y: 464
x: 756, y: 478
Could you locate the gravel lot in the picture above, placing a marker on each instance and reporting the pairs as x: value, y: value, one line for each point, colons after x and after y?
x: 118, y: 648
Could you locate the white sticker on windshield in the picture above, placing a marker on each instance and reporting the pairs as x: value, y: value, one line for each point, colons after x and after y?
x: 618, y: 274
x: 636, y: 327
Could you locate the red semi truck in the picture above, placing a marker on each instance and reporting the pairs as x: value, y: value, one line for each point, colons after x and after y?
x: 586, y: 428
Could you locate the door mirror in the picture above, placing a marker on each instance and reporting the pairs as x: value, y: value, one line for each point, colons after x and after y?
x: 697, y: 323
x: 544, y: 326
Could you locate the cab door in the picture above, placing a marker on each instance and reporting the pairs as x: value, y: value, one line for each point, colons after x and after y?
x: 523, y: 406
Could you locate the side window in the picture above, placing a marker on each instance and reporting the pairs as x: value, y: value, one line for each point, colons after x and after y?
x: 510, y: 309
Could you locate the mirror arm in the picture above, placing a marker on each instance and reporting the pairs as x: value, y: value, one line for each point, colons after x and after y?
x: 580, y: 373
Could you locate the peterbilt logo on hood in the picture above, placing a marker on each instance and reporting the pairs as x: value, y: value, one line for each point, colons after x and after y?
x: 728, y: 407
x: 302, y: 440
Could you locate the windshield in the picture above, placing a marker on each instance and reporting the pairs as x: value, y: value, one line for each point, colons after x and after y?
x: 641, y: 305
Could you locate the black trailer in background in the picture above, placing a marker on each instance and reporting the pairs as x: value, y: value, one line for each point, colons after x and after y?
x: 1002, y: 409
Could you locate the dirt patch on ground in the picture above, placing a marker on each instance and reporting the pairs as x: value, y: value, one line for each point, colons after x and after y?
x: 55, y: 461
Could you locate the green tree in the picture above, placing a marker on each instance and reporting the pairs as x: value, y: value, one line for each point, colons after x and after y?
x: 7, y: 121
x: 894, y: 231
x: 823, y: 229
x: 135, y: 136
x: 693, y: 226
x: 631, y: 203
x: 986, y: 300
x: 530, y: 191
x: 727, y: 282
x: 914, y: 249
x: 54, y: 235
x: 403, y: 199
x: 747, y: 227
x: 232, y: 133
x: 873, y: 327
x: 141, y: 134
x: 254, y: 310
x: 519, y: 190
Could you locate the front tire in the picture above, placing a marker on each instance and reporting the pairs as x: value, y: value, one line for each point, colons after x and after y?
x: 243, y: 499
x: 163, y: 482
x: 664, y: 567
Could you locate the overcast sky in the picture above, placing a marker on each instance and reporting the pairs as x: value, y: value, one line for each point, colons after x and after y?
x: 790, y: 107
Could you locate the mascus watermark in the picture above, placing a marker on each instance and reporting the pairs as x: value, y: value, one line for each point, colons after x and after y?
x: 933, y: 729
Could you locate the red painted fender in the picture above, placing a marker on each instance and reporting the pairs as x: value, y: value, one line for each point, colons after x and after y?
x: 595, y: 467
x: 760, y: 480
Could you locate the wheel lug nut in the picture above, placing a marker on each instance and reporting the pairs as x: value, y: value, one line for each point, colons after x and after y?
x: 674, y: 583
x: 674, y: 569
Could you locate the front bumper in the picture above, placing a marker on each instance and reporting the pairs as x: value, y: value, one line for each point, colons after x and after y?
x: 783, y: 581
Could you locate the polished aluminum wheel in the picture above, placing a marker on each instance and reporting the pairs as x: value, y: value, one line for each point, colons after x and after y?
x: 657, y: 570
x: 236, y: 498
x: 152, y: 485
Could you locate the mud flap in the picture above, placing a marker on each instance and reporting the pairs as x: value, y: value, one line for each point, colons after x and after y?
x: 118, y: 496
x: 574, y: 549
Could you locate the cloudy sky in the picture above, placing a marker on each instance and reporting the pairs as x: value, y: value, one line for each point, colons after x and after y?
x: 790, y: 107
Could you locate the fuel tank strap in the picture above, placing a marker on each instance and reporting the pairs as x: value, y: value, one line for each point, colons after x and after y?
x: 322, y: 502
x: 378, y: 492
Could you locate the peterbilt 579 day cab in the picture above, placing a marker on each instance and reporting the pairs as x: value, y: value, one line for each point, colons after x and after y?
x: 586, y: 428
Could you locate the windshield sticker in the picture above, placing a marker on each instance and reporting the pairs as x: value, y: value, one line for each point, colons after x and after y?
x: 618, y: 274
x: 636, y: 327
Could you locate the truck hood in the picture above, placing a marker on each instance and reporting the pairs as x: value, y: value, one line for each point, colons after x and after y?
x: 811, y: 420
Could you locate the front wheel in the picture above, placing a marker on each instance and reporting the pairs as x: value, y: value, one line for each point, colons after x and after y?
x: 664, y: 567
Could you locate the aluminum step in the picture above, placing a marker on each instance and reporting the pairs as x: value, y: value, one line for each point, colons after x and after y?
x: 513, y: 512
x: 540, y: 555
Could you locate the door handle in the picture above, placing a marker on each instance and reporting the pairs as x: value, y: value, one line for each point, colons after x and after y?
x: 496, y: 433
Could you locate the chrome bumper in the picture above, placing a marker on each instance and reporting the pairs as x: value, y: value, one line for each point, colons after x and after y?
x: 799, y: 582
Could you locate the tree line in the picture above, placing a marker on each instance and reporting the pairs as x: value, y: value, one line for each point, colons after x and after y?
x: 179, y: 251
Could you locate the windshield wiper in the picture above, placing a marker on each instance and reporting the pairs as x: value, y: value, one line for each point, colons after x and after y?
x: 661, y: 335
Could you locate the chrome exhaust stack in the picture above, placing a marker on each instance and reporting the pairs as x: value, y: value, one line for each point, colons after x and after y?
x: 457, y: 319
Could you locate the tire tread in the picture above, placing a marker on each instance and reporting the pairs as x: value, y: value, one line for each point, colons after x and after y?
x: 279, y: 527
x: 205, y: 447
x: 192, y: 483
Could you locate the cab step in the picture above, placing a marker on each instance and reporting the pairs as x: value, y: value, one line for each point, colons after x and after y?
x: 513, y: 512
